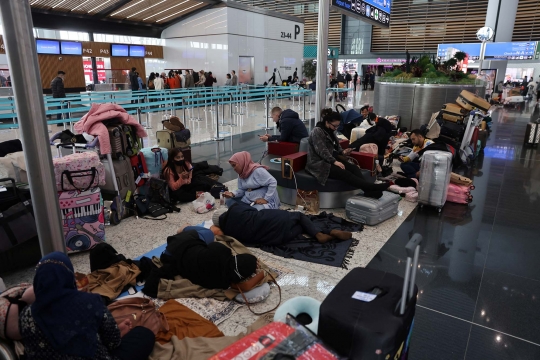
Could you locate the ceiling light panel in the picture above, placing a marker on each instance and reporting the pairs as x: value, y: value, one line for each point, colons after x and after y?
x: 181, y: 12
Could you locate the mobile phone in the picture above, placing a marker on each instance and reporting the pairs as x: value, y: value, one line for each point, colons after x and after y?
x: 190, y: 169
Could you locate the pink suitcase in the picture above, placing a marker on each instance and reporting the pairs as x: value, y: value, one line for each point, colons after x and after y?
x: 460, y: 194
x: 82, y: 218
x: 80, y: 171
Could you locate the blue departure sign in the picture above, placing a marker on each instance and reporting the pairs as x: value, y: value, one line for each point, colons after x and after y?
x: 376, y: 12
x: 447, y: 51
x: 511, y: 50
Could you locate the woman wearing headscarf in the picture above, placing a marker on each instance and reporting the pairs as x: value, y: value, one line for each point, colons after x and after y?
x: 323, y: 157
x: 255, y: 184
x: 64, y: 323
x: 212, y: 266
x: 178, y: 173
x: 378, y: 135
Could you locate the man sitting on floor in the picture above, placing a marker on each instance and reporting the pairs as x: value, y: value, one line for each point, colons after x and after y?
x: 269, y: 226
x: 290, y: 126
x: 411, y: 163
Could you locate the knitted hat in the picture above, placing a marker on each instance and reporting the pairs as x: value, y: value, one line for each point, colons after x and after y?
x: 217, y: 214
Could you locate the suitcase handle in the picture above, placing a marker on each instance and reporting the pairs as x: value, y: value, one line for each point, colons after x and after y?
x: 81, y: 173
x: 413, y: 252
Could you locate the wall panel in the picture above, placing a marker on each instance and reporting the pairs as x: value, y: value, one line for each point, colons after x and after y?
x: 119, y: 63
x: 49, y: 65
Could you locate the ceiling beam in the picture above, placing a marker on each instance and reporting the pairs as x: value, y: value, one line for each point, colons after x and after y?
x: 109, y: 10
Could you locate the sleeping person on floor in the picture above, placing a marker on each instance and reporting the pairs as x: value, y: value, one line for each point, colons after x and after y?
x: 211, y: 265
x: 270, y: 227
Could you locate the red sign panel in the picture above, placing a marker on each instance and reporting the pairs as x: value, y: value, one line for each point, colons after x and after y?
x: 87, y: 64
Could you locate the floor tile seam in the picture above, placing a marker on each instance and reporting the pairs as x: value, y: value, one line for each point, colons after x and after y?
x: 509, y: 273
x: 479, y: 325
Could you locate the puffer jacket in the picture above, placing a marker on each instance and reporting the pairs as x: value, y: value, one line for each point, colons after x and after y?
x: 290, y: 126
x: 320, y: 153
x: 57, y: 87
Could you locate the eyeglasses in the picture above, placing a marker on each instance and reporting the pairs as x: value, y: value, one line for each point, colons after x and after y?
x: 333, y: 126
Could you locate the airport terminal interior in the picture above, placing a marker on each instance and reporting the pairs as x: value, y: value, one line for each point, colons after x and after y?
x: 320, y: 179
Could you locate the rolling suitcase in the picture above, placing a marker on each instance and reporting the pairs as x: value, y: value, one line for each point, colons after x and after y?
x: 469, y: 101
x: 435, y: 172
x: 453, y: 113
x: 83, y: 218
x: 460, y: 194
x: 532, y: 134
x: 140, y: 170
x: 156, y: 158
x: 370, y: 313
x: 165, y: 139
x: 370, y: 211
x: 453, y: 130
x: 124, y: 177
x: 123, y: 140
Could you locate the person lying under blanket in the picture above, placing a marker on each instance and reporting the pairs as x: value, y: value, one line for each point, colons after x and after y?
x: 270, y: 226
x: 212, y: 266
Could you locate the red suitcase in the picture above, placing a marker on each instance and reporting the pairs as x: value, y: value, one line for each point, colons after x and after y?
x: 138, y: 164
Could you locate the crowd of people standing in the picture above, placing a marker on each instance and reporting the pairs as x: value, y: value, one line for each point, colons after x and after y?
x: 176, y: 79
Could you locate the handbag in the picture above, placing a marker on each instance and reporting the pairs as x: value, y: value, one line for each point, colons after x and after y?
x: 17, y: 223
x: 158, y: 191
x: 251, y: 283
x: 141, y: 312
x: 308, y: 199
x: 144, y: 207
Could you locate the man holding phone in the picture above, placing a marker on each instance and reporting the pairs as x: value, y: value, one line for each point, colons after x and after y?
x: 290, y: 126
x: 410, y: 164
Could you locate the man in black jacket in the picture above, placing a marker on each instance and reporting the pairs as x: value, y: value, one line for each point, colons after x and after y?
x: 290, y: 126
x: 270, y: 227
x: 58, y: 91
x: 134, y: 81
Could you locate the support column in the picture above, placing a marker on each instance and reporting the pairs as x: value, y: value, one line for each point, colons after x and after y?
x: 322, y: 57
x: 94, y: 64
x: 23, y: 65
x: 501, y: 17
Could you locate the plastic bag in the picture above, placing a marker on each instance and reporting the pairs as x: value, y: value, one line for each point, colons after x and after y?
x: 204, y: 203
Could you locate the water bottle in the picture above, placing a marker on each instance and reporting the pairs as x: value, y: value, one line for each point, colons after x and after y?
x: 377, y: 167
x: 221, y: 198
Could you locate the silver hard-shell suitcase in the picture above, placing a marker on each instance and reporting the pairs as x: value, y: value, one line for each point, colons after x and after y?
x: 435, y: 171
x: 370, y: 211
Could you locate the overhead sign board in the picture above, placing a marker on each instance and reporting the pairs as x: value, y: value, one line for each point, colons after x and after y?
x: 447, y: 51
x: 376, y: 12
x: 511, y: 50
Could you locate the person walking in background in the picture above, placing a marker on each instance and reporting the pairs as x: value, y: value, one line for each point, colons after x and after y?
x: 195, y: 77
x: 272, y: 80
x: 202, y: 79
x: 188, y: 79
x: 228, y: 82
x: 295, y: 74
x: 366, y: 80
x: 158, y: 82
x: 348, y: 79
x: 234, y: 79
x: 58, y: 90
x: 372, y: 80
x: 355, y: 80
x: 134, y: 81
x: 210, y: 80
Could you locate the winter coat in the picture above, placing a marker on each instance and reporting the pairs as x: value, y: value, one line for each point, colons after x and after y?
x: 243, y: 222
x: 158, y: 83
x: 209, y: 81
x: 290, y: 126
x: 189, y: 81
x: 378, y: 134
x: 92, y: 123
x: 57, y: 87
x: 321, y: 153
x: 234, y: 80
x: 134, y: 81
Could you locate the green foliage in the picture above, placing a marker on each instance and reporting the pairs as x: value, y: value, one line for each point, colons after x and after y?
x: 430, y: 68
x: 460, y: 56
x: 430, y: 75
x: 450, y: 63
x: 310, y: 69
x: 423, y: 62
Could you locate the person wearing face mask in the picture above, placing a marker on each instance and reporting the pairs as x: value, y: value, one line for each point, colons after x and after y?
x: 323, y: 157
x: 256, y: 186
x: 183, y: 185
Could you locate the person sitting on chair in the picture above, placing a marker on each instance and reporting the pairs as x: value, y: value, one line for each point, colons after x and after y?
x: 410, y: 163
x: 290, y: 126
x: 378, y: 135
x: 243, y: 223
x: 324, y: 151
x: 255, y: 184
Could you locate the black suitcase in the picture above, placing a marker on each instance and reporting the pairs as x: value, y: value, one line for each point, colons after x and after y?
x: 380, y: 328
x: 453, y: 130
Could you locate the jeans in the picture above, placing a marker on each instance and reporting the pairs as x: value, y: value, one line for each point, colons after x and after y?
x: 303, y: 225
x: 136, y: 344
x: 410, y: 169
x: 232, y: 201
x: 354, y: 177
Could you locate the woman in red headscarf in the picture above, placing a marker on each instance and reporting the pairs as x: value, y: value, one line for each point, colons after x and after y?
x: 255, y: 184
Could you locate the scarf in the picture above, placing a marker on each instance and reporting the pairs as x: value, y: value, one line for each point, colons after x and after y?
x: 69, y: 319
x: 243, y: 159
x: 330, y: 133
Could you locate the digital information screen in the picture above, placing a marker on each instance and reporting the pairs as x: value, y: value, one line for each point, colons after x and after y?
x: 136, y: 50
x: 119, y: 50
x: 511, y: 50
x: 447, y: 51
x: 376, y: 12
x: 48, y: 47
x: 71, y: 48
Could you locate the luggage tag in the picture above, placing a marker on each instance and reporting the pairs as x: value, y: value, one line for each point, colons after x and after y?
x: 369, y: 296
x: 128, y: 196
x: 138, y: 180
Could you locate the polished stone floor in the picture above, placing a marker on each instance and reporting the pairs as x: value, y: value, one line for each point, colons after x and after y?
x: 479, y: 274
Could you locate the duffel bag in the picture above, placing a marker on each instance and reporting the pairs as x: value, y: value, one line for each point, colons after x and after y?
x: 80, y: 171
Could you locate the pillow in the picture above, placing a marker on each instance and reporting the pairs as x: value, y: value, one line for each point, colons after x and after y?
x: 255, y: 295
x: 19, y: 163
x: 7, y: 170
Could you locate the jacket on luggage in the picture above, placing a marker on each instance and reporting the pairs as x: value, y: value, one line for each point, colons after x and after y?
x: 276, y: 225
x: 92, y: 123
x: 57, y: 87
x: 378, y: 135
x: 290, y: 126
x: 322, y: 147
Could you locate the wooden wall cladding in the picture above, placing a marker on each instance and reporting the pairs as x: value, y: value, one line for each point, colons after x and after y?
x: 419, y: 26
x: 119, y: 63
x: 153, y: 51
x: 49, y: 65
x: 527, y: 25
x: 97, y: 49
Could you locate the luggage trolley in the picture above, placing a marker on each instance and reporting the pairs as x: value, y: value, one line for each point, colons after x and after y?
x: 117, y: 210
x: 465, y: 152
